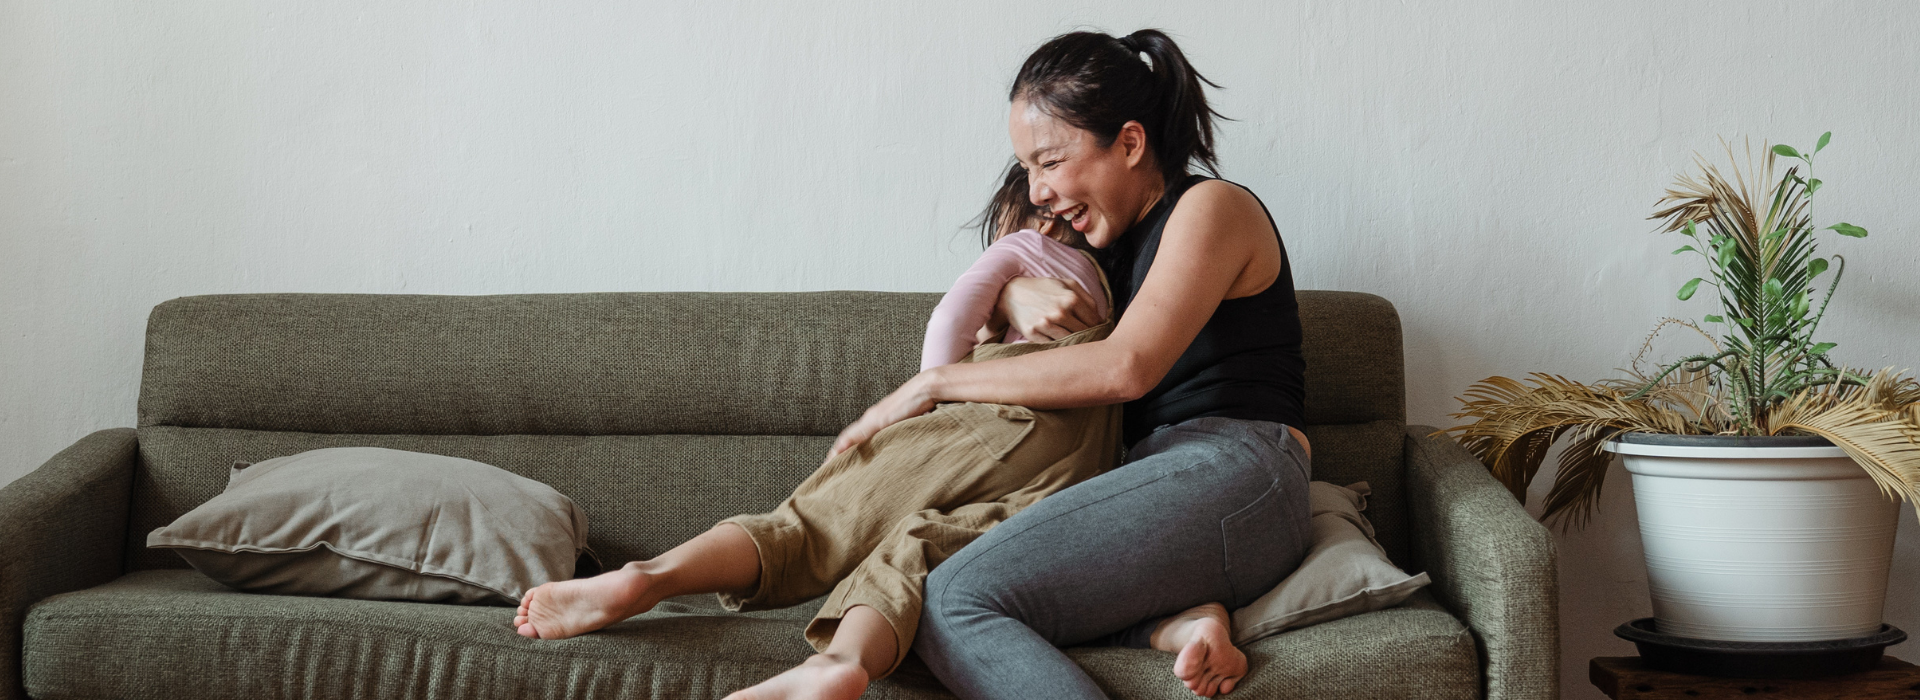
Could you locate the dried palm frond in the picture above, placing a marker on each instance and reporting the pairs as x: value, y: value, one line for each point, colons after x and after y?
x: 1511, y: 424
x: 1870, y: 423
x: 1515, y: 422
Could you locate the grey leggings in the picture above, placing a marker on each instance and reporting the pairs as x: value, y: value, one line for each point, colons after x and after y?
x: 1209, y: 510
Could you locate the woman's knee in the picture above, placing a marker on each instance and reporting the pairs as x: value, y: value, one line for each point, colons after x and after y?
x: 953, y: 598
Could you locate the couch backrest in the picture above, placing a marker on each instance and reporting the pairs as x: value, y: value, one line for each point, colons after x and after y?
x: 659, y: 413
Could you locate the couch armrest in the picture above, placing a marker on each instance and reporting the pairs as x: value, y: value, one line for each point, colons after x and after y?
x: 63, y: 527
x: 1492, y: 564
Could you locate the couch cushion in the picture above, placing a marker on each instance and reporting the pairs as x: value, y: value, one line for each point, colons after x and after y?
x: 1355, y: 369
x: 617, y: 363
x: 1370, y: 452
x: 171, y: 634
x: 381, y: 524
x: 565, y: 364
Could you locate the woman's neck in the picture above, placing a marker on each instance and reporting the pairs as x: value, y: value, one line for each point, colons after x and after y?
x: 1152, y: 192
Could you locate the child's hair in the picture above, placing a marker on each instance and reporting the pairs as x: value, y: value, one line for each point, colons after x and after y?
x: 1011, y: 210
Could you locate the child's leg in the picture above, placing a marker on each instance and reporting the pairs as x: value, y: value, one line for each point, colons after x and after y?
x: 719, y: 560
x: 863, y: 651
x: 864, y: 630
x: 814, y: 538
x: 890, y: 582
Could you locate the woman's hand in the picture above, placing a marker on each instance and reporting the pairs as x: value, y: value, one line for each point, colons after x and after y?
x: 911, y: 399
x: 1045, y: 308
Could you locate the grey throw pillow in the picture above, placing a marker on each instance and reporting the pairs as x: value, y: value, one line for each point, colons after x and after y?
x: 1345, y: 572
x: 374, y: 523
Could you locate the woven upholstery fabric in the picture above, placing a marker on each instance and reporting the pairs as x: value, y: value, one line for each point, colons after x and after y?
x: 565, y: 364
x: 1370, y: 452
x: 1355, y: 370
x: 61, y: 529
x: 1491, y: 562
x: 642, y: 494
x: 174, y: 634
x: 616, y: 363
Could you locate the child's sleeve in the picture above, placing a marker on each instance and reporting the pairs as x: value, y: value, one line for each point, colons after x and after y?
x: 967, y: 306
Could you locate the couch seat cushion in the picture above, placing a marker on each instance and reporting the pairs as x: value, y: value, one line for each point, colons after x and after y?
x: 175, y: 633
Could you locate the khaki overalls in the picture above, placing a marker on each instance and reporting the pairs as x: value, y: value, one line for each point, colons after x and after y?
x: 872, y: 521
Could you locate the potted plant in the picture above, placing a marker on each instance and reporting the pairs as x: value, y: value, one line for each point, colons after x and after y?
x: 1766, y: 475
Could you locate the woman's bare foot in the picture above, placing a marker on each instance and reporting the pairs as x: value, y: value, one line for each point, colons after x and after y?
x: 571, y: 608
x: 1208, y: 663
x: 821, y: 677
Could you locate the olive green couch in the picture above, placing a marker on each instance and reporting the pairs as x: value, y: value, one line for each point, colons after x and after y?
x: 659, y: 414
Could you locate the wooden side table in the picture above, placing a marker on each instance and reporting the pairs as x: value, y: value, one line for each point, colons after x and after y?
x: 1625, y: 678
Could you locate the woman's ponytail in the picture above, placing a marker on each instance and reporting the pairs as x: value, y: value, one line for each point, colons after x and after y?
x: 1185, y: 120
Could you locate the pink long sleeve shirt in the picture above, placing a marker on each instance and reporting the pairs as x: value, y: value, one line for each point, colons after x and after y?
x: 967, y: 306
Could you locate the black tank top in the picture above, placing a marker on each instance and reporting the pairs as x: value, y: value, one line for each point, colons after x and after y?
x: 1246, y: 361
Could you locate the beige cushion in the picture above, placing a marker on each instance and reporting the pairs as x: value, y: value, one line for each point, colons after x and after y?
x: 1345, y: 573
x: 381, y: 524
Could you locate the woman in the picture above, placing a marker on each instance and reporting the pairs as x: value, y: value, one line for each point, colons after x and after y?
x: 1210, y: 507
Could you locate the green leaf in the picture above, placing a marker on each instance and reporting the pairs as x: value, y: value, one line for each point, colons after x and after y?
x: 1815, y: 267
x: 1822, y: 348
x: 1727, y: 249
x: 1774, y: 289
x: 1786, y: 150
x: 1824, y: 138
x: 1715, y: 318
x: 1744, y: 321
x: 1686, y: 290
x: 1683, y: 249
x: 1846, y: 229
x: 1813, y: 186
x: 1800, y: 303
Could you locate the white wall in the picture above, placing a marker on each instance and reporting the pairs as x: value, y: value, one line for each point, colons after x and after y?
x: 1484, y: 165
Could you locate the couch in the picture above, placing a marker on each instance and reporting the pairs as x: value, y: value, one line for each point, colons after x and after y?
x: 659, y: 414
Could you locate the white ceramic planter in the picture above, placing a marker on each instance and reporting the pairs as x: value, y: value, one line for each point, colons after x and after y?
x: 1759, y: 544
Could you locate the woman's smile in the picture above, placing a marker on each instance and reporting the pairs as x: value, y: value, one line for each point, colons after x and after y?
x: 1075, y: 216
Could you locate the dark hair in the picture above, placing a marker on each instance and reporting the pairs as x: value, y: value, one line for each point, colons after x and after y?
x: 1009, y: 207
x: 1098, y: 82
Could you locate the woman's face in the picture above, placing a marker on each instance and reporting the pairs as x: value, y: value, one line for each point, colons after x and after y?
x: 1099, y: 191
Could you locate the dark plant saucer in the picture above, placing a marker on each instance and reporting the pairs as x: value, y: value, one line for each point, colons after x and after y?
x: 1711, y: 657
x: 1723, y: 440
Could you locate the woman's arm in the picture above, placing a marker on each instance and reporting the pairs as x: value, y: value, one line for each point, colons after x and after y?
x: 1210, y: 244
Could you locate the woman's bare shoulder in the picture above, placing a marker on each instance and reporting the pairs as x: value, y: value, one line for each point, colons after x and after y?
x: 1220, y: 210
x: 1228, y: 229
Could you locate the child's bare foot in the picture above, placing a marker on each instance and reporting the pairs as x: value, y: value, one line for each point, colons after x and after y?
x: 571, y: 608
x: 821, y: 677
x: 1208, y: 663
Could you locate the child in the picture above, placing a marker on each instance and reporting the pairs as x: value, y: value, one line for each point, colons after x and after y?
x: 870, y: 523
